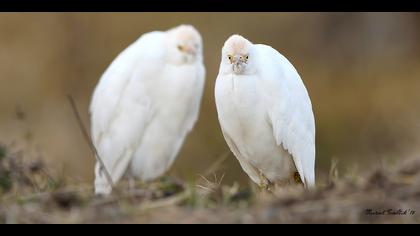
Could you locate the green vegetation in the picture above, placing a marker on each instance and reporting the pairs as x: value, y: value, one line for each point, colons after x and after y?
x: 2, y: 152
x: 5, y: 181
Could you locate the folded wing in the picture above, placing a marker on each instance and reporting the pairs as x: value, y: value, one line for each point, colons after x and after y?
x: 290, y: 111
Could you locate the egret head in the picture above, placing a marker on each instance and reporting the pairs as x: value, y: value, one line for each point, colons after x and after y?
x: 185, y: 44
x: 237, y: 55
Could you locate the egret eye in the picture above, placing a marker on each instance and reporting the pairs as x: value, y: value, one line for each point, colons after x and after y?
x: 230, y: 58
x: 180, y: 47
x: 246, y: 57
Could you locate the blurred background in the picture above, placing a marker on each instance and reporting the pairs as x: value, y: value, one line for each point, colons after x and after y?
x: 362, y: 71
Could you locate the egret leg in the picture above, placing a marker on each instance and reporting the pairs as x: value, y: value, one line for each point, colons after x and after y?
x: 296, y: 177
x: 131, y: 183
x: 265, y: 183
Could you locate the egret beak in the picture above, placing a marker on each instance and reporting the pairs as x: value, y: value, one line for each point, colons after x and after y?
x: 189, y: 50
x: 238, y: 60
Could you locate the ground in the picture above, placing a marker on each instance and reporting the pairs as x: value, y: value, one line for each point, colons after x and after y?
x: 29, y: 193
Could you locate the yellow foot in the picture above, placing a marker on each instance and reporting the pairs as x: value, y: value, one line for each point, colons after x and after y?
x: 296, y: 177
x: 265, y: 184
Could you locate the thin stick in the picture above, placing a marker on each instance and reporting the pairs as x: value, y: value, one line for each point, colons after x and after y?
x: 212, y: 169
x: 172, y: 201
x: 217, y: 163
x: 89, y: 140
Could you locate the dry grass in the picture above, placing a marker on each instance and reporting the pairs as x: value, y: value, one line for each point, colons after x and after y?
x: 29, y: 194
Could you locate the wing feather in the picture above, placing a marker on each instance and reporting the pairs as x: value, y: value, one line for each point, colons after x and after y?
x: 119, y: 110
x: 290, y: 112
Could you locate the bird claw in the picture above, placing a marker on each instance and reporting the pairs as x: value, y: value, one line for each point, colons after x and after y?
x: 296, y: 177
x: 265, y: 183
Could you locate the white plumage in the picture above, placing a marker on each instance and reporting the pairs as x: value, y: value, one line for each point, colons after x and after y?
x: 265, y: 113
x: 146, y: 103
